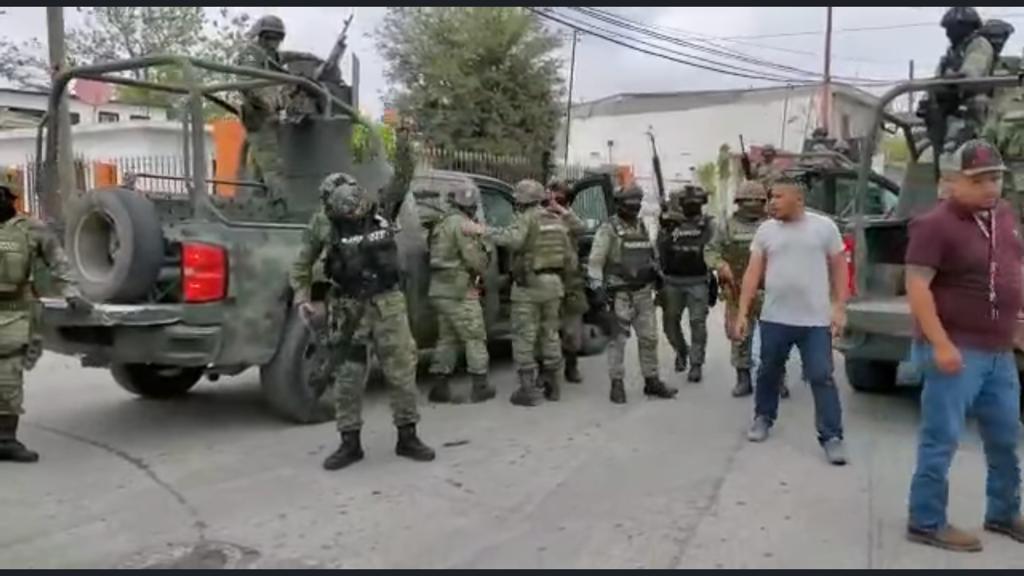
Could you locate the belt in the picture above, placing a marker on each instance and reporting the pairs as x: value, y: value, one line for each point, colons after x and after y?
x: 557, y: 271
x: 13, y: 354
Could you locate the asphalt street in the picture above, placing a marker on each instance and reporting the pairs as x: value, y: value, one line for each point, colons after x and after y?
x: 214, y: 480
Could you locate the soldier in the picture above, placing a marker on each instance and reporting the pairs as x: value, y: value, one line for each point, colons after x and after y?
x: 1004, y: 128
x: 23, y: 240
x: 365, y: 308
x: 728, y: 253
x: 542, y: 254
x: 766, y: 171
x: 681, y: 242
x: 458, y: 263
x: 969, y: 55
x: 574, y: 304
x: 622, y: 270
x: 261, y: 107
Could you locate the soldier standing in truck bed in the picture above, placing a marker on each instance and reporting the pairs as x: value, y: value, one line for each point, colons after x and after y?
x: 261, y: 107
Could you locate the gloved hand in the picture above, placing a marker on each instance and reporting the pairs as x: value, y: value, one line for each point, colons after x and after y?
x: 79, y: 305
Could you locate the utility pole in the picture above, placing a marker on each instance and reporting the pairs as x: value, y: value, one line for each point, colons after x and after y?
x: 568, y: 105
x: 56, y: 194
x: 826, y: 88
x: 910, y: 95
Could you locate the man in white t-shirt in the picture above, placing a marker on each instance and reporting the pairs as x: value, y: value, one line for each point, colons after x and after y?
x: 796, y: 254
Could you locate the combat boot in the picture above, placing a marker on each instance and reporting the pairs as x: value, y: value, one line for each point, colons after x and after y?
x: 696, y: 373
x: 618, y: 393
x: 441, y: 392
x: 743, y: 386
x: 350, y: 452
x: 482, y: 389
x: 10, y: 448
x: 681, y: 361
x: 410, y: 446
x: 572, y: 368
x: 553, y: 384
x: 655, y: 387
x: 528, y: 394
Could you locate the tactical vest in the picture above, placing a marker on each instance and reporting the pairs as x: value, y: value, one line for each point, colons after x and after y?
x: 544, y: 249
x: 954, y: 57
x: 682, y: 248
x: 15, y: 254
x: 366, y: 264
x: 635, y: 262
x: 736, y: 248
x: 442, y: 257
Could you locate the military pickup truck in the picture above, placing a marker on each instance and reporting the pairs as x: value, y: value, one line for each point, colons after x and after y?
x: 196, y: 285
x: 879, y: 325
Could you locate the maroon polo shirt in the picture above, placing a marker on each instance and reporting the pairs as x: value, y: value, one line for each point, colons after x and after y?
x: 949, y: 239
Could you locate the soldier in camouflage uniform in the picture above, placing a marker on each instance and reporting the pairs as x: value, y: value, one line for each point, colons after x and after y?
x: 622, y: 271
x: 23, y: 240
x: 766, y: 171
x: 458, y: 262
x: 541, y: 255
x: 729, y: 253
x: 682, y: 238
x: 1004, y: 127
x: 366, y: 308
x: 261, y: 107
x: 574, y: 305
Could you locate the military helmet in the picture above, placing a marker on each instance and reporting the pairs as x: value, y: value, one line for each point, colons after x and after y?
x: 344, y: 198
x: 466, y: 197
x: 691, y: 193
x: 996, y: 32
x: 268, y: 24
x: 529, y: 192
x: 961, y: 16
x: 629, y: 192
x: 769, y: 149
x: 751, y: 190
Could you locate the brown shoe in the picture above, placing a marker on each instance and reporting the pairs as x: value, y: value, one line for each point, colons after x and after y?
x: 1014, y: 529
x: 948, y: 538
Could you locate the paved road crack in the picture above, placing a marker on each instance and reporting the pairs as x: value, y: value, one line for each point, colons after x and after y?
x: 140, y: 464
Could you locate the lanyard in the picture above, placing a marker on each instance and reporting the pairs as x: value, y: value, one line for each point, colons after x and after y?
x: 988, y: 228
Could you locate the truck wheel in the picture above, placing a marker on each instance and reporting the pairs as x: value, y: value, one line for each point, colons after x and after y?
x: 294, y: 382
x: 156, y: 381
x: 115, y: 244
x: 873, y: 376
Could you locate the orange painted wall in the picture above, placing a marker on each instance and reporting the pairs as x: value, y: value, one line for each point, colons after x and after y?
x: 228, y: 136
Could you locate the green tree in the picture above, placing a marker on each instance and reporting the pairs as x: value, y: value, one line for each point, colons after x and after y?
x: 474, y: 78
x: 108, y: 33
x: 707, y: 177
x: 895, y: 149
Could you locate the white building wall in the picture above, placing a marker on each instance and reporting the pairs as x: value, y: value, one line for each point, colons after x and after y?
x: 97, y: 142
x: 87, y: 113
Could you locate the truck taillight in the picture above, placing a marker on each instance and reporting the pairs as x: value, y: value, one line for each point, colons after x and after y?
x: 204, y: 272
x: 851, y: 268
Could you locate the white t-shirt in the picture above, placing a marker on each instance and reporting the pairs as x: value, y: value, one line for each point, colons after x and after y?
x: 797, y: 291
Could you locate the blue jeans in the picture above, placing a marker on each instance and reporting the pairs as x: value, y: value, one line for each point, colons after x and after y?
x: 815, y: 345
x: 989, y: 384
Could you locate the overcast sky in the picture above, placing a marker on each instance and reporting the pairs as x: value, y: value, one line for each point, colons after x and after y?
x: 603, y: 68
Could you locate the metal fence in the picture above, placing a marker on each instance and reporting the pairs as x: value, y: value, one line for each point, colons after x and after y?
x: 510, y: 168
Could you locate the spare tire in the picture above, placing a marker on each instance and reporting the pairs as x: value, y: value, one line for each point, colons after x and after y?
x: 115, y: 245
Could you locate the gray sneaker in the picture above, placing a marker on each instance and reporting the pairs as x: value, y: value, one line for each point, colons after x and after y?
x: 835, y: 451
x: 758, y: 431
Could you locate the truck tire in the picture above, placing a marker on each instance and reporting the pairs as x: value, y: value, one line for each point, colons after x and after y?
x: 287, y: 380
x: 872, y: 376
x: 115, y: 245
x: 156, y: 381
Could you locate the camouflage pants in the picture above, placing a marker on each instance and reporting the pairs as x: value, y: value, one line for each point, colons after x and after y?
x: 742, y: 354
x: 679, y: 298
x: 383, y: 324
x: 15, y: 331
x: 535, y: 325
x: 459, y: 323
x: 265, y: 159
x: 634, y: 309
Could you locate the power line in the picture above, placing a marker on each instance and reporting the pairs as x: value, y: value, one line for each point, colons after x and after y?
x: 1008, y: 16
x: 636, y: 27
x: 615, y: 38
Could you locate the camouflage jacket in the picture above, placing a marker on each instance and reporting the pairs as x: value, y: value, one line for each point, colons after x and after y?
x: 1004, y: 126
x: 314, y: 240
x: 44, y: 251
x: 539, y: 288
x: 260, y: 105
x: 456, y: 259
x: 766, y: 174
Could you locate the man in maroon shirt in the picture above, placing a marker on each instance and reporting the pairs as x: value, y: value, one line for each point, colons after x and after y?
x: 963, y: 267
